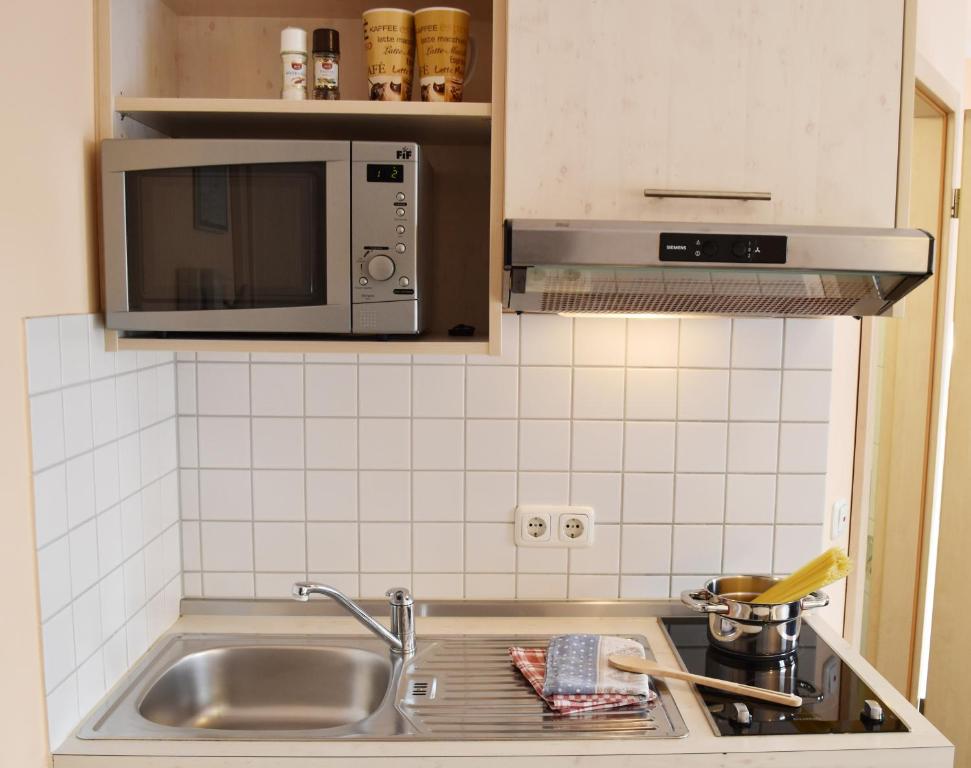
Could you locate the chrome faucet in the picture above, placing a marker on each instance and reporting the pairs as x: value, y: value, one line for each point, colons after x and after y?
x: 401, y: 638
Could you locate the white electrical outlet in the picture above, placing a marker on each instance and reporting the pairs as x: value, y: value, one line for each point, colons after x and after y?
x: 841, y: 518
x: 554, y: 526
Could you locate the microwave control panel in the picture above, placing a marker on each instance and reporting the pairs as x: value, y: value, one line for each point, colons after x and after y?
x: 385, y: 186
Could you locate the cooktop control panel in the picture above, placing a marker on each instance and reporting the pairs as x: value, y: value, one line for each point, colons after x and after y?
x: 722, y: 248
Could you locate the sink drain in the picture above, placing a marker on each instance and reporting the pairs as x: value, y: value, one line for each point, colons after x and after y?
x: 420, y: 689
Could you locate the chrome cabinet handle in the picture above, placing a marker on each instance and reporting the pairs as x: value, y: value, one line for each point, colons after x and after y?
x: 708, y: 194
x: 698, y: 601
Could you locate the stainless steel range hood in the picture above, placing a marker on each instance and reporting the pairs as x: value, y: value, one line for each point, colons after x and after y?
x: 729, y: 269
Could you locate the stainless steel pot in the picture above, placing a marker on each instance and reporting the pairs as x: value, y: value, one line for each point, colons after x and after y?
x: 743, y: 628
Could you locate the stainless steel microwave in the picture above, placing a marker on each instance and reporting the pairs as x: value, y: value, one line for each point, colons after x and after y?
x: 218, y: 236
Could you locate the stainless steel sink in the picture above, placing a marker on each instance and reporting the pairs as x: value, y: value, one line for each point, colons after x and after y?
x: 259, y: 687
x: 269, y: 688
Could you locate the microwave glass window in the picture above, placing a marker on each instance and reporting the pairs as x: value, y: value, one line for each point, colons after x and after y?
x: 226, y: 237
x: 391, y: 174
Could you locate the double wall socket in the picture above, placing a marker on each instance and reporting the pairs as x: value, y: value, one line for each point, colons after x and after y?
x: 540, y: 525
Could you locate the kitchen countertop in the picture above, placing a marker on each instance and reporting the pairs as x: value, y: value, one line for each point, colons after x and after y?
x: 923, y: 746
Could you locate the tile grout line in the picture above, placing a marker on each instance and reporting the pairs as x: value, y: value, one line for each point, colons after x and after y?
x: 778, y: 453
x: 306, y: 469
x: 728, y: 443
x: 674, y: 480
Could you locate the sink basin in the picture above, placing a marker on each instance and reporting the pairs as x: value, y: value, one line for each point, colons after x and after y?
x: 269, y: 688
x: 198, y: 687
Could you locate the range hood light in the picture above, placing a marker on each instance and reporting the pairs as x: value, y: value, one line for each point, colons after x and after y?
x: 619, y: 315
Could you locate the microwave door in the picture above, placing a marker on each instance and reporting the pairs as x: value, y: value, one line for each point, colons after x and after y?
x: 234, y: 245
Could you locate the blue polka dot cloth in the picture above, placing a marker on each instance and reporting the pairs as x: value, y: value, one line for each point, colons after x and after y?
x: 577, y: 664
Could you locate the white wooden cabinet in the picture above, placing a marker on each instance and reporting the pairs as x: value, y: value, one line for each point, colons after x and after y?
x: 798, y: 99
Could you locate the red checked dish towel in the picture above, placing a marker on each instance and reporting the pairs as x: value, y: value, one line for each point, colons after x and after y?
x: 532, y: 663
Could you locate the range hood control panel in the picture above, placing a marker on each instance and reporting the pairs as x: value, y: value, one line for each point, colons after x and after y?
x: 722, y: 248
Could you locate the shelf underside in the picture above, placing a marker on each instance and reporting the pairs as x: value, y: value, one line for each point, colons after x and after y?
x: 435, y: 123
x: 480, y: 9
x: 430, y: 344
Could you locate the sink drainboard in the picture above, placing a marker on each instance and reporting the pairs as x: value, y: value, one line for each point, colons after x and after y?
x: 467, y: 687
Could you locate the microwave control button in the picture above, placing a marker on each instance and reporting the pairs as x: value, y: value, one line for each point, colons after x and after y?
x: 399, y: 196
x: 400, y: 212
x: 400, y: 229
x: 380, y: 268
x: 400, y: 247
x: 362, y: 281
x: 403, y: 282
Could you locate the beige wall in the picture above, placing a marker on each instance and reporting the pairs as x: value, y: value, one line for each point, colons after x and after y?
x: 941, y: 29
x: 47, y: 251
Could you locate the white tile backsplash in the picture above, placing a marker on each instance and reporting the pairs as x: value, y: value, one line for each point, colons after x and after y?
x: 545, y: 340
x: 705, y: 342
x: 438, y: 496
x: 331, y: 390
x: 750, y: 499
x: 277, y: 390
x: 600, y: 490
x: 331, y: 495
x: 225, y: 494
x: 702, y: 395
x: 701, y: 444
x: 106, y: 508
x: 652, y: 393
x: 544, y: 445
x: 598, y: 446
x: 648, y: 498
x: 653, y: 342
x: 809, y: 344
x: 598, y: 393
x: 490, y: 497
x: 384, y: 390
x: 438, y: 391
x: 279, y: 494
x: 492, y: 392
x: 545, y: 392
x: 805, y: 395
x: 599, y: 341
x: 649, y: 446
x: 384, y: 443
x: 755, y: 395
x: 385, y: 496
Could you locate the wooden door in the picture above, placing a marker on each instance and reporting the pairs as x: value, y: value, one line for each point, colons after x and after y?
x: 949, y: 673
x: 608, y: 97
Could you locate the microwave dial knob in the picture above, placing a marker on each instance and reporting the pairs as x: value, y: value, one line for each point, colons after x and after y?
x: 380, y: 268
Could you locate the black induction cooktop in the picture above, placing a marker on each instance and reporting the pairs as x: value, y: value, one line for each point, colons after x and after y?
x: 834, y: 698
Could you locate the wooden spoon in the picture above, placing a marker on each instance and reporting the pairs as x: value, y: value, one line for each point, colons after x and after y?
x: 634, y: 664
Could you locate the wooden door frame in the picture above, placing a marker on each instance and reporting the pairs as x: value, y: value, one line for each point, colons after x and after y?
x: 933, y: 87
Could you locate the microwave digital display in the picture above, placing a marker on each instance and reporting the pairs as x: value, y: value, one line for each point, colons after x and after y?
x: 389, y: 174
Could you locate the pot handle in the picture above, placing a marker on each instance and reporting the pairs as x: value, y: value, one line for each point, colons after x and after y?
x: 814, y: 600
x: 697, y: 600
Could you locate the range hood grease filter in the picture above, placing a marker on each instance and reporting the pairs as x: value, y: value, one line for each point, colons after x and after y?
x: 678, y: 268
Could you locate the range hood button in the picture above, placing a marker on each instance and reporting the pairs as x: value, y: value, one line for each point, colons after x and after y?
x: 740, y: 249
x: 709, y: 248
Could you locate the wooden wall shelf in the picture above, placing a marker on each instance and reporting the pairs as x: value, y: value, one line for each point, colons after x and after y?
x: 435, y: 123
x: 211, y: 69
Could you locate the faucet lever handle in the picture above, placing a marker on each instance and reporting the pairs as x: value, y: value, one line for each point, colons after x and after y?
x: 399, y: 596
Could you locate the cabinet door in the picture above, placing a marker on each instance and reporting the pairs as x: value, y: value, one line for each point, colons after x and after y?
x: 799, y: 99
